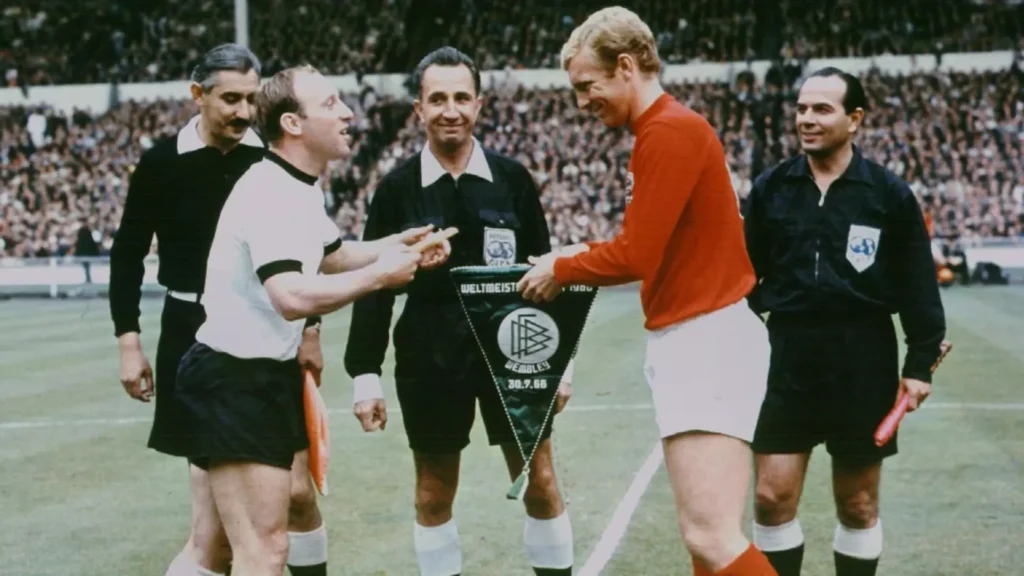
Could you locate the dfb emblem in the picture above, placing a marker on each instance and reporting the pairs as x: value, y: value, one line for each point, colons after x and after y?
x: 499, y: 247
x: 528, y: 336
x: 862, y: 246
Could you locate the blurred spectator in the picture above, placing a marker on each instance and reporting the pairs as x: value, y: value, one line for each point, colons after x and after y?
x: 957, y: 139
x: 86, y: 41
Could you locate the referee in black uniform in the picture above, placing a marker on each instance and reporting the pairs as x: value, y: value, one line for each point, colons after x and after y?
x: 440, y: 372
x: 839, y: 245
x: 176, y: 193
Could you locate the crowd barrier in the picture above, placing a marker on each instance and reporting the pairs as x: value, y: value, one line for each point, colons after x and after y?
x: 70, y: 275
x: 65, y: 276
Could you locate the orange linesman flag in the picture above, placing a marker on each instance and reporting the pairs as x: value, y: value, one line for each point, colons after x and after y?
x: 317, y: 430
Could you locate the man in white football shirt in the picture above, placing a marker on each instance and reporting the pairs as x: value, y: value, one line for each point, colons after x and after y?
x: 276, y: 259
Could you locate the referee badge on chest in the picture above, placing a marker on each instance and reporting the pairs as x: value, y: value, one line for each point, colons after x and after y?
x: 861, y: 246
x: 499, y: 247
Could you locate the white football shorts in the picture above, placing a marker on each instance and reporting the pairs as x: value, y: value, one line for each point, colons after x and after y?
x: 709, y: 373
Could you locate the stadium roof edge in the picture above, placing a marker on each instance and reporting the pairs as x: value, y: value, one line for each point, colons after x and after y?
x: 97, y: 98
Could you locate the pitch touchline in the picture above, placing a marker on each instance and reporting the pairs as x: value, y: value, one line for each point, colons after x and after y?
x: 130, y: 420
x: 612, y: 535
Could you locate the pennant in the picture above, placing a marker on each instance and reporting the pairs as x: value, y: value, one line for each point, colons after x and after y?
x: 527, y: 346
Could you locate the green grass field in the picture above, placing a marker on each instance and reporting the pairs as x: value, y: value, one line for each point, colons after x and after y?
x: 81, y: 495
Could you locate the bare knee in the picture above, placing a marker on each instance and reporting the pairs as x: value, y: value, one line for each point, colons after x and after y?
x: 780, y: 479
x: 855, y: 487
x: 275, y: 550
x: 433, y: 505
x: 303, y: 513
x: 712, y: 544
x: 210, y: 546
x: 542, y: 499
x: 437, y: 479
x: 775, y: 504
x: 858, y: 510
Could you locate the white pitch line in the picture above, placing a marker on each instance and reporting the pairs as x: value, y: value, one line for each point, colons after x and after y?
x: 612, y: 535
x: 129, y: 420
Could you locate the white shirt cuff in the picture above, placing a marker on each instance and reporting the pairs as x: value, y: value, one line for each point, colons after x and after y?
x: 567, y: 377
x: 366, y: 387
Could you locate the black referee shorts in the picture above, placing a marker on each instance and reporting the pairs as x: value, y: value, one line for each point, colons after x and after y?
x: 241, y: 409
x: 831, y: 380
x: 440, y: 374
x: 179, y: 322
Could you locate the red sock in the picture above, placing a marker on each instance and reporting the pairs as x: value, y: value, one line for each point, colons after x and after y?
x: 751, y: 563
x: 699, y: 569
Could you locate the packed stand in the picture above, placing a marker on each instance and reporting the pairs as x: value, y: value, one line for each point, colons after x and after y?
x: 85, y: 41
x: 955, y: 138
x: 64, y: 180
x: 90, y: 41
x: 862, y: 28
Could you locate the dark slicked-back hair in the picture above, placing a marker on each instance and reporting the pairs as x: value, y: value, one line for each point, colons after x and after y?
x: 446, y: 56
x: 854, y: 97
x: 224, y: 58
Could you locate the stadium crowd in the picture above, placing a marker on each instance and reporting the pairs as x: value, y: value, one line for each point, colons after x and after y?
x: 84, y: 41
x: 955, y: 138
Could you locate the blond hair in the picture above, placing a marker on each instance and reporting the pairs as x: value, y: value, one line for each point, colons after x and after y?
x: 611, y: 32
x: 277, y: 98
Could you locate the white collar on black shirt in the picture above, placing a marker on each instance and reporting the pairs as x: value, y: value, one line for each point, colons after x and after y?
x: 189, y: 140
x: 431, y: 169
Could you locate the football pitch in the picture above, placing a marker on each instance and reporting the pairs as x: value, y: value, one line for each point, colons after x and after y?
x: 80, y: 494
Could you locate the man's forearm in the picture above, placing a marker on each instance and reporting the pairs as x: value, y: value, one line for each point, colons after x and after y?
x: 354, y: 255
x: 362, y: 253
x: 317, y: 295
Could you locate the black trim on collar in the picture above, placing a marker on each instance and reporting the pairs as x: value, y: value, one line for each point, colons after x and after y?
x: 291, y: 169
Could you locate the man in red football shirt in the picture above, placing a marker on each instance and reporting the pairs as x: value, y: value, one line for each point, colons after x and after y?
x: 682, y: 238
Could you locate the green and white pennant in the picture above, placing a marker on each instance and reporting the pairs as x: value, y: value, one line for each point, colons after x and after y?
x: 527, y: 346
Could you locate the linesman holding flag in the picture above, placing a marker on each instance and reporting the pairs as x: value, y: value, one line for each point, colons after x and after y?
x: 839, y: 245
x: 440, y: 372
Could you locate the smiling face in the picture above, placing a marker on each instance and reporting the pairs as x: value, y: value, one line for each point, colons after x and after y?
x: 448, y: 105
x: 822, y: 122
x: 227, y: 109
x: 605, y: 94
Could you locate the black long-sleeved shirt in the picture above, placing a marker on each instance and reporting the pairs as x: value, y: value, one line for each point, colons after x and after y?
x: 510, y: 203
x: 176, y: 192
x: 861, y: 248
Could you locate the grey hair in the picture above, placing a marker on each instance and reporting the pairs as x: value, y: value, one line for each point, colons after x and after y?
x: 224, y: 58
x: 446, y: 56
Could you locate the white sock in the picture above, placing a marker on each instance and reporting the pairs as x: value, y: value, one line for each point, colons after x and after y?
x: 184, y: 565
x: 437, y: 549
x: 778, y: 538
x: 549, y: 542
x: 865, y: 544
x: 308, y: 548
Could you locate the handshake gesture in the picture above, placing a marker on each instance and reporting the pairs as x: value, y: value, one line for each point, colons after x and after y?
x: 403, y: 253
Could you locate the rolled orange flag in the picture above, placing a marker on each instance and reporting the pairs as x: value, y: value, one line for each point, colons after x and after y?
x: 317, y: 431
x: 891, y: 422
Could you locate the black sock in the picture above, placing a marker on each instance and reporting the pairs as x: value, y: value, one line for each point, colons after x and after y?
x: 787, y: 562
x: 553, y: 571
x: 317, y: 570
x: 850, y: 566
